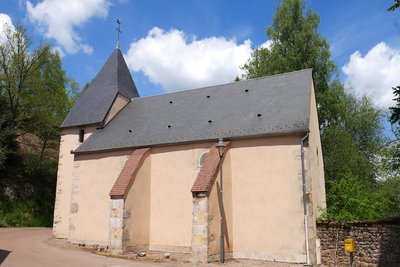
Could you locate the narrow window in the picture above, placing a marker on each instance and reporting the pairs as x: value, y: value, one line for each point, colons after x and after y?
x: 202, y: 159
x: 81, y: 135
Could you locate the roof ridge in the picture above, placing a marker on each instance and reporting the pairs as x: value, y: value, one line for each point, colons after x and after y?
x: 227, y: 84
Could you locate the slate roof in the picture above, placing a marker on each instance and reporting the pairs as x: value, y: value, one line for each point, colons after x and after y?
x: 92, y: 107
x: 273, y: 105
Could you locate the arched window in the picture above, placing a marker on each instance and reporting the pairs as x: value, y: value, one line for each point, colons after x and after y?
x: 202, y: 159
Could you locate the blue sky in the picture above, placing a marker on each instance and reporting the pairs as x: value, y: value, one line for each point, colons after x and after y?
x: 183, y: 44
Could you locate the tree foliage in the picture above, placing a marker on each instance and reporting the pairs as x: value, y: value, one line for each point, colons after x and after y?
x: 395, y: 121
x: 394, y: 6
x: 350, y: 127
x: 34, y: 101
x: 356, y: 200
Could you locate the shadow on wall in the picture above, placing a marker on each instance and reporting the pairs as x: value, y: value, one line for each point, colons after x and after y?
x: 3, y: 255
x: 226, y: 233
x: 390, y: 246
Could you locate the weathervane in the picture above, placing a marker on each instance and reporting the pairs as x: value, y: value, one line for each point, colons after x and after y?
x: 118, y: 30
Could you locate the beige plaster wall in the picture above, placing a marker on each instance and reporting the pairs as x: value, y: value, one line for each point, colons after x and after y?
x: 137, y: 208
x: 173, y: 171
x: 119, y: 103
x: 69, y: 142
x: 267, y: 199
x: 316, y: 161
x: 262, y: 197
x: 214, y: 210
x: 93, y: 178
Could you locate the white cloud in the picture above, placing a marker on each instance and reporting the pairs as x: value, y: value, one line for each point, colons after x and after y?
x: 59, y: 20
x: 179, y: 62
x: 5, y: 21
x: 374, y: 74
x: 266, y: 44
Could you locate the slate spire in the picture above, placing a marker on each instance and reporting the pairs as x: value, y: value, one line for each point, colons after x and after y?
x: 92, y: 107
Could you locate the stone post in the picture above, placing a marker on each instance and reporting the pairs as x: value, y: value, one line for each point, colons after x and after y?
x: 200, y: 229
x: 116, y: 226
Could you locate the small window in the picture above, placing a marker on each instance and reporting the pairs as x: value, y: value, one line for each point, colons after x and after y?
x: 202, y: 159
x: 81, y: 135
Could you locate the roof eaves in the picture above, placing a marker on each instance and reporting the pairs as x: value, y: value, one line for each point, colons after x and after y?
x: 232, y: 138
x: 81, y: 125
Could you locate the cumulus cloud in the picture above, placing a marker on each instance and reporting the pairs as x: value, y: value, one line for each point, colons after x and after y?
x: 266, y: 44
x: 60, y: 19
x: 5, y: 21
x: 374, y: 74
x: 177, y: 61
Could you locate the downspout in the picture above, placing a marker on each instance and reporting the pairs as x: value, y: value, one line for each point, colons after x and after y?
x: 221, y: 208
x: 303, y: 178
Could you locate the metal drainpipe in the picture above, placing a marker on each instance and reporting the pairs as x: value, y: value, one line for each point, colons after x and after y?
x: 303, y: 178
x: 221, y: 208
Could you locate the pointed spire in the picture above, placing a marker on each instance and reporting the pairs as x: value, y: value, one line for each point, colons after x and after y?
x: 113, y: 78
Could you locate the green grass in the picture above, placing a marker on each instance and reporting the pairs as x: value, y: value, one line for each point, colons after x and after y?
x: 25, y: 213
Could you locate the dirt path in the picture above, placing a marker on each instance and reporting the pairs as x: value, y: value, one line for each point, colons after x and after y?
x: 33, y: 247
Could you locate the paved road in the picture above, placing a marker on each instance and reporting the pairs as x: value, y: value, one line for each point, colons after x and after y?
x: 33, y: 247
x: 21, y: 247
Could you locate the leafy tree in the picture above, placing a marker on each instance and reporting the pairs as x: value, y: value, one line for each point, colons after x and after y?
x: 34, y: 101
x: 395, y: 116
x: 352, y: 199
x: 33, y: 88
x: 3, y: 140
x: 75, y: 91
x: 350, y: 127
x: 395, y: 121
x: 394, y: 6
x: 395, y: 112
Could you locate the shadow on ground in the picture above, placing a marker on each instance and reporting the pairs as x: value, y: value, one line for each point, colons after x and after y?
x: 3, y: 255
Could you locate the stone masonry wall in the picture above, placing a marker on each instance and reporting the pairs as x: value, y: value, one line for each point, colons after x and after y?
x: 116, y: 226
x: 376, y: 244
x: 200, y: 230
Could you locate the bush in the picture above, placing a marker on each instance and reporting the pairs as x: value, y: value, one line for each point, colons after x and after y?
x: 24, y: 212
x: 350, y: 198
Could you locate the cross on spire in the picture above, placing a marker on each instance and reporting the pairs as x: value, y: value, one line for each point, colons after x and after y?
x: 118, y: 30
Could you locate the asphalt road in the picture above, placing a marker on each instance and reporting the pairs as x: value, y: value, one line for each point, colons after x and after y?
x: 29, y: 247
x: 34, y: 247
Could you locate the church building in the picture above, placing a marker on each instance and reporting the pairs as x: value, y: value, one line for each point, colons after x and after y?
x: 232, y: 171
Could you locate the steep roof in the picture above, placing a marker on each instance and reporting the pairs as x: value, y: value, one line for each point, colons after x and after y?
x: 273, y: 105
x: 93, y: 105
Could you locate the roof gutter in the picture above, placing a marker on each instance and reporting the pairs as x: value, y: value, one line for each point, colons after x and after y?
x: 303, y: 179
x: 61, y: 127
x: 211, y: 139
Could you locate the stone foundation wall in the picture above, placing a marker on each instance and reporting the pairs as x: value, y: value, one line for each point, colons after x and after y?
x: 376, y: 243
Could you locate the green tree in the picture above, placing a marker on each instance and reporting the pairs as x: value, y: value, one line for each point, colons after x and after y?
x: 394, y: 6
x: 34, y: 101
x: 395, y: 113
x: 4, y: 131
x: 395, y: 121
x: 350, y: 127
x: 352, y: 199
